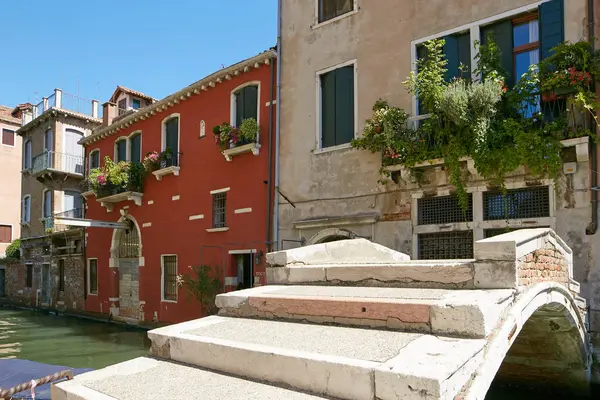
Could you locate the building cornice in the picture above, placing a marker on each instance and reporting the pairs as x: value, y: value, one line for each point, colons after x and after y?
x: 53, y: 111
x: 196, y: 88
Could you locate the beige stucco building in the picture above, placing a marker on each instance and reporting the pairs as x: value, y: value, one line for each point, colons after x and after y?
x: 334, y: 188
x: 10, y: 178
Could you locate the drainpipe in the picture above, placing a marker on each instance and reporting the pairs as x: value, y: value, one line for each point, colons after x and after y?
x: 593, y: 226
x: 277, y: 128
x: 269, y: 243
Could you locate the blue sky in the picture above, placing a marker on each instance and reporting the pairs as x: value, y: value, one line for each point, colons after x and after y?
x: 153, y: 46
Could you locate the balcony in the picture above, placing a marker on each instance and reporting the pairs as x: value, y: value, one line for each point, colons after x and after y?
x: 62, y: 101
x: 169, y: 165
x: 110, y: 194
x: 53, y: 163
x: 53, y: 224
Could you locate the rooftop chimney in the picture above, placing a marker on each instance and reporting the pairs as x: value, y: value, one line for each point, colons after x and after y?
x: 109, y: 113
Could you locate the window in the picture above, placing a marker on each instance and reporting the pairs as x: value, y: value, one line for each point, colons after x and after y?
x: 337, y: 106
x: 47, y: 204
x: 135, y: 148
x: 61, y: 275
x: 246, y: 104
x: 26, y: 211
x: 169, y: 277
x: 93, y: 276
x: 170, y: 139
x: 27, y: 155
x: 94, y: 159
x: 443, y: 210
x: 517, y: 204
x: 446, y: 245
x: 5, y: 233
x: 121, y: 150
x: 136, y: 104
x: 219, y: 208
x: 129, y: 241
x: 329, y: 9
x: 72, y: 204
x: 8, y: 137
x: 122, y: 106
x: 28, y: 275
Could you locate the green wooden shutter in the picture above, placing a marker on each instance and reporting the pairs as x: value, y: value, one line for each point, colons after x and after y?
x: 502, y: 32
x: 136, y: 148
x: 239, y: 107
x: 122, y: 150
x: 344, y: 105
x: 250, y: 102
x: 451, y: 53
x: 551, y: 26
x: 328, y: 109
x: 172, y: 139
x: 464, y: 54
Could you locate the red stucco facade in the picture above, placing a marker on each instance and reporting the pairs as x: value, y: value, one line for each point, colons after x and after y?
x: 169, y: 217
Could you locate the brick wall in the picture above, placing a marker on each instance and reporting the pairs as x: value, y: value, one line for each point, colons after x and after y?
x: 543, y: 265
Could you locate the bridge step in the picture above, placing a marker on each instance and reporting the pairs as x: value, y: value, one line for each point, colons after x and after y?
x: 342, y: 362
x: 418, y: 310
x: 457, y: 274
x: 148, y: 378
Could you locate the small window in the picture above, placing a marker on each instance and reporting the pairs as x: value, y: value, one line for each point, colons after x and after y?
x: 443, y: 210
x: 61, y: 275
x: 454, y: 245
x: 5, y: 233
x: 121, y: 150
x: 95, y: 159
x: 93, y: 275
x: 329, y: 9
x: 246, y: 104
x: 27, y: 155
x: 136, y: 104
x: 517, y: 204
x: 135, y: 148
x: 8, y: 137
x: 337, y: 106
x: 171, y: 141
x: 219, y: 208
x: 47, y: 204
x: 28, y: 275
x: 122, y: 106
x: 169, y: 277
x: 26, y: 211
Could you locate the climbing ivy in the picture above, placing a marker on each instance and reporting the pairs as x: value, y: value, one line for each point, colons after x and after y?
x: 499, y: 128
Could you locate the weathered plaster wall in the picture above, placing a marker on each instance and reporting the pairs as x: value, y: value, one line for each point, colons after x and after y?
x: 10, y: 184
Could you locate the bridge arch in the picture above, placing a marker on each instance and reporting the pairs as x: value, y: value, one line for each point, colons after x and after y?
x: 542, y: 339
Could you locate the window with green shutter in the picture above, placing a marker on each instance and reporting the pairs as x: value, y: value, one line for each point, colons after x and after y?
x: 246, y: 104
x: 457, y: 50
x: 135, y: 148
x: 121, y: 146
x: 337, y: 106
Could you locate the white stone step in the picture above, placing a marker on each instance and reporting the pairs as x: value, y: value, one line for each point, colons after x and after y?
x: 447, y: 274
x: 148, y: 378
x: 464, y: 313
x: 341, y: 362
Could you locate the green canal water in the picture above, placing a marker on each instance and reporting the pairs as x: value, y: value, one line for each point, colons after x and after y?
x: 80, y: 343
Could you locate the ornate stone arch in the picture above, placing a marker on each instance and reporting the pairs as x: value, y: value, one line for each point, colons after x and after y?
x: 134, y: 234
x: 330, y: 235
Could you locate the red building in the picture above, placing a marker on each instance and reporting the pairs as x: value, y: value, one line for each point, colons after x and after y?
x: 206, y: 198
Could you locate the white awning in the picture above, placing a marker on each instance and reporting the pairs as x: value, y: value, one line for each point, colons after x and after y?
x: 89, y: 223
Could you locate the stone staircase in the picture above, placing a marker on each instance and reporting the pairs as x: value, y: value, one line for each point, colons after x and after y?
x: 342, y: 320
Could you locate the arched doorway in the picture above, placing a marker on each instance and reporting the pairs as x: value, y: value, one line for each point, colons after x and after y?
x: 126, y: 257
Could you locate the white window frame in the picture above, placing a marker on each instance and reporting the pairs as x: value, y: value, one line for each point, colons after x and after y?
x: 89, y: 292
x: 318, y: 24
x: 14, y: 131
x: 319, y: 98
x: 162, y: 278
x: 474, y: 29
x: 27, y: 161
x: 26, y: 219
x: 116, y: 151
x: 233, y: 108
x: 163, y: 132
x: 96, y: 150
x: 131, y: 135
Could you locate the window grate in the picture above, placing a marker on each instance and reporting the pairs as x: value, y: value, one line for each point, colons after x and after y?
x: 93, y: 276
x: 443, y: 210
x: 61, y: 275
x: 517, y: 204
x: 170, y: 278
x: 129, y: 242
x: 488, y: 233
x: 29, y: 275
x: 446, y: 245
x: 219, y: 207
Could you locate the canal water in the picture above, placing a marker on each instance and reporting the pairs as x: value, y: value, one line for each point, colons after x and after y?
x: 80, y: 343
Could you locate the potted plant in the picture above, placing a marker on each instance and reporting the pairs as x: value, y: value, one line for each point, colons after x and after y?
x: 152, y: 161
x: 249, y: 130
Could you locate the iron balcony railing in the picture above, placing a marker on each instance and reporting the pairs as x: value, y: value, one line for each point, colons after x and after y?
x: 48, y: 223
x: 51, y: 160
x: 171, y: 160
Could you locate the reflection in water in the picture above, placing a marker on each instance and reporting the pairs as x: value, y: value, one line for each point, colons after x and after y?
x: 70, y: 342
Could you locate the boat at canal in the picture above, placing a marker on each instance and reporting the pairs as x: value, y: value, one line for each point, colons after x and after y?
x: 16, y: 378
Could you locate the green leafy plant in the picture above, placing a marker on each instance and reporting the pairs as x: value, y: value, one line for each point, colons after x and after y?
x: 249, y: 130
x: 204, y: 283
x: 12, y: 253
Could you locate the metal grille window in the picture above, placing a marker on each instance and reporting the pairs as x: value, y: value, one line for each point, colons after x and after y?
x: 443, y: 210
x: 93, y: 273
x: 129, y: 243
x: 488, y: 233
x: 61, y: 275
x: 446, y: 245
x: 219, y: 208
x: 169, y: 277
x: 29, y: 275
x: 517, y: 204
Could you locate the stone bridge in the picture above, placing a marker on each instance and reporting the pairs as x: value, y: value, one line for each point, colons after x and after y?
x: 355, y: 320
